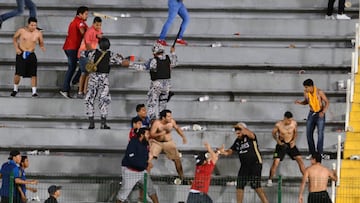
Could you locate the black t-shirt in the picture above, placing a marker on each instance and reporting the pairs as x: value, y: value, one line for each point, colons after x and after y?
x: 247, y: 149
x: 51, y: 199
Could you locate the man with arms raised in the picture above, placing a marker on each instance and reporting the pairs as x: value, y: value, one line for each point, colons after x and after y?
x: 317, y: 175
x: 161, y: 139
x: 285, y: 134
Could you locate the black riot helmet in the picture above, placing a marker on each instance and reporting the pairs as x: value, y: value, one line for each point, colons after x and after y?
x: 104, y: 44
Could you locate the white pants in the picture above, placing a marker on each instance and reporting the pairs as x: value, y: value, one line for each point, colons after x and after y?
x: 129, y: 180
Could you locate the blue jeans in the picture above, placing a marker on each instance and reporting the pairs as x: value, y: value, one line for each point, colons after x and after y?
x: 82, y: 65
x: 314, y: 120
x: 72, y: 62
x: 175, y: 7
x: 198, y: 198
x: 20, y: 9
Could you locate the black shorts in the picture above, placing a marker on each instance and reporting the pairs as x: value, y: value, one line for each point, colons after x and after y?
x: 281, y: 150
x: 249, y: 173
x: 26, y: 67
x: 319, y: 197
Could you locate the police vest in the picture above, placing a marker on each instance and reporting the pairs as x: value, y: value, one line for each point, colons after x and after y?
x: 104, y: 64
x: 162, y: 69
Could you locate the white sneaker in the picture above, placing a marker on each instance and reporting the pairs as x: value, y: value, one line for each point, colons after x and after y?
x: 342, y: 17
x: 354, y: 157
x: 269, y: 183
x: 308, y: 157
x: 325, y: 156
x: 332, y: 17
x: 177, y: 181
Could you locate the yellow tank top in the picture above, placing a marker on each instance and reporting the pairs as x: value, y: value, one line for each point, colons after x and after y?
x: 314, y: 100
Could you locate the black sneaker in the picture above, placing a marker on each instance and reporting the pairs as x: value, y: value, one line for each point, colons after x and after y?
x: 80, y: 96
x: 65, y: 94
x: 35, y: 95
x: 13, y: 93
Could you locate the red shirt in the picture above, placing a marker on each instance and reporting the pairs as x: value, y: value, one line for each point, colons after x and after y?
x: 74, y: 37
x: 131, y: 134
x: 202, y: 177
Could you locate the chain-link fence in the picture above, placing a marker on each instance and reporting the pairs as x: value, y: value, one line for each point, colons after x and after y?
x: 91, y: 189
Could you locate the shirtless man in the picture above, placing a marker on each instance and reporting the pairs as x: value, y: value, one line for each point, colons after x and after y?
x: 161, y: 140
x: 319, y: 105
x: 285, y: 134
x: 317, y: 175
x: 25, y: 40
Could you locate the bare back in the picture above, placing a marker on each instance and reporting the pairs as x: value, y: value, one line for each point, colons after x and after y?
x: 318, y: 176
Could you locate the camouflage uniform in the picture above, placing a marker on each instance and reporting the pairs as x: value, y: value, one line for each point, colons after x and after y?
x: 99, y: 85
x: 159, y: 89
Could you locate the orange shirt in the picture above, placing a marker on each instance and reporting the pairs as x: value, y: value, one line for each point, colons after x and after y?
x: 89, y: 38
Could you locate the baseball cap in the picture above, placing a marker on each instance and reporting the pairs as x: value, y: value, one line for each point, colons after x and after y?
x: 240, y: 125
x: 201, y: 158
x: 13, y: 153
x: 52, y: 189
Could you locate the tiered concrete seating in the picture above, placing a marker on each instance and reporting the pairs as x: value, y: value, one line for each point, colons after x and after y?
x: 253, y: 77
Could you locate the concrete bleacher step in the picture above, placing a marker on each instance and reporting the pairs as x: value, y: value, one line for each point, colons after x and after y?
x: 43, y: 108
x: 355, y: 106
x: 196, y: 80
x: 354, y: 115
x: 115, y: 140
x: 279, y: 4
x: 224, y: 40
x: 244, y: 9
x: 351, y: 146
x: 295, y: 28
x: 228, y: 55
x: 354, y: 126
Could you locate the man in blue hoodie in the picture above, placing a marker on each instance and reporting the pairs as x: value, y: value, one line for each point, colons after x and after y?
x: 134, y: 165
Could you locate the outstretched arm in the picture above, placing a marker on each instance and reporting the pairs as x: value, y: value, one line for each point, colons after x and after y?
x: 303, y: 102
x: 149, y: 65
x: 214, y: 156
x: 179, y: 131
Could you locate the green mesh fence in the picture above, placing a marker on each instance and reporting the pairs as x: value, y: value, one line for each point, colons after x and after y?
x: 93, y: 189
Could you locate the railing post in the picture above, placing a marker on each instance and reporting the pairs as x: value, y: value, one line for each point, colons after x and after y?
x: 145, y: 187
x: 338, y: 159
x: 333, y: 186
x: 279, y: 189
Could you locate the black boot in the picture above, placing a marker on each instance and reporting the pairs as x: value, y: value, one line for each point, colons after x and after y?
x: 103, y: 123
x: 92, y: 123
x: 170, y: 95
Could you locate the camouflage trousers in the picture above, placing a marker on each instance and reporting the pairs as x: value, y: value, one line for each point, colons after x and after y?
x: 98, y: 86
x: 158, y: 97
